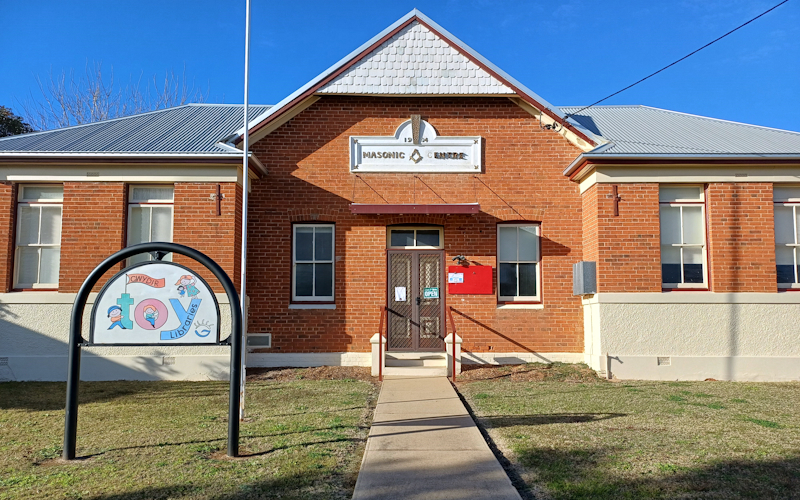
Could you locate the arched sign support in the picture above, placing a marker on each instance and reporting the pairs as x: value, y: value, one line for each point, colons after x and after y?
x: 76, y: 340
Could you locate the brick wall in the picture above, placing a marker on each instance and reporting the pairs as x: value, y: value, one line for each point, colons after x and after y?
x: 309, y: 181
x: 92, y: 228
x: 628, y: 245
x: 7, y: 213
x: 741, y: 232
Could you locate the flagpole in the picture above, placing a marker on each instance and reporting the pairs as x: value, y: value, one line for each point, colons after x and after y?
x: 245, y: 189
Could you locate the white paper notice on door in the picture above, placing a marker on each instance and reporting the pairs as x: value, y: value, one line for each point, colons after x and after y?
x: 399, y: 294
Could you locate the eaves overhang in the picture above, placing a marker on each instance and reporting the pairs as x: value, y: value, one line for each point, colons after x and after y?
x: 576, y: 169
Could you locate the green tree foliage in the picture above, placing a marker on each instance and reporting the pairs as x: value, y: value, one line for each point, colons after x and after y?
x: 11, y: 124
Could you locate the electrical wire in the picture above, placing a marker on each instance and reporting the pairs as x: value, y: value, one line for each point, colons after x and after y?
x: 569, y: 115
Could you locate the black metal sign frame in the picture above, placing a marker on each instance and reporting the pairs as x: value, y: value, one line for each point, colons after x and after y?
x: 102, y: 292
x: 76, y: 340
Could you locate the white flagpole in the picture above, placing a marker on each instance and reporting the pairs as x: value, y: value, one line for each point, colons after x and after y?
x: 245, y: 189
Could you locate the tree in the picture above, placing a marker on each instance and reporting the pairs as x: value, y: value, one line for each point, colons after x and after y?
x: 67, y: 99
x: 11, y: 124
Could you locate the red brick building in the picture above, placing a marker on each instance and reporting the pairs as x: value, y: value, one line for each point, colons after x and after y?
x: 416, y: 189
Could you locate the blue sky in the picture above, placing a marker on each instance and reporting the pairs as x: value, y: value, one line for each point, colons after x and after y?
x: 570, y: 52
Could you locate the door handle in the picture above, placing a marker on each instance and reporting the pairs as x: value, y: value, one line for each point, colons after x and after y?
x: 419, y: 300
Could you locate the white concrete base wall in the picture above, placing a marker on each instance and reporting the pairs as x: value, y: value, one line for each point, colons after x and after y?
x: 93, y: 368
x: 514, y: 358
x: 698, y: 335
x: 740, y: 368
x: 270, y: 360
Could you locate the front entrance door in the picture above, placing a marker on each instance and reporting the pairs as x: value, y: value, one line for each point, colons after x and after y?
x: 415, y: 298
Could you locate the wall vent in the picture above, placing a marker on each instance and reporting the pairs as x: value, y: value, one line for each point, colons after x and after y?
x: 92, y: 174
x: 664, y: 360
x: 3, y: 361
x: 168, y: 360
x: 259, y: 340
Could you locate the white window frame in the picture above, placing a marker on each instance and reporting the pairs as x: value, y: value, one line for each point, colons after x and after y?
x: 680, y: 203
x: 794, y: 203
x: 35, y: 202
x: 391, y: 229
x: 332, y: 261
x: 529, y: 299
x: 134, y: 203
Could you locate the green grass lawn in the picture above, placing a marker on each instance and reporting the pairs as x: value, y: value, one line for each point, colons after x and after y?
x: 610, y: 440
x: 167, y: 440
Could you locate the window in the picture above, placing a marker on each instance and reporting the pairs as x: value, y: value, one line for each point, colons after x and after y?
x: 149, y: 217
x: 518, y: 259
x: 415, y: 238
x: 38, y: 245
x: 787, y: 234
x: 312, y: 262
x: 683, y: 237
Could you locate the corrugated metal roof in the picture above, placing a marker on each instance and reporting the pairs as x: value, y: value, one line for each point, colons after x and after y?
x: 189, y: 129
x: 642, y: 130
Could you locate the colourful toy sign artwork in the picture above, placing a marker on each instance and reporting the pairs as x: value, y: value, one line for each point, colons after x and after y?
x: 155, y: 303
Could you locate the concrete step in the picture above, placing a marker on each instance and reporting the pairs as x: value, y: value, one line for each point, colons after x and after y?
x: 415, y: 371
x: 411, y: 359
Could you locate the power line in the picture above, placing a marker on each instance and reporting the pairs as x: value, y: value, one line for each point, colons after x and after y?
x: 676, y: 62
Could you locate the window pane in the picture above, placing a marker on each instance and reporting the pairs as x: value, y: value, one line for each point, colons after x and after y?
x: 48, y: 272
x: 785, y: 193
x: 784, y: 258
x: 682, y: 193
x: 508, y: 279
x: 527, y: 279
x: 693, y: 225
x: 28, y: 265
x: 784, y: 224
x: 670, y: 264
x: 304, y: 243
x: 323, y: 244
x: 323, y: 280
x: 152, y: 193
x: 42, y: 192
x: 693, y: 265
x: 428, y: 238
x: 670, y: 224
x: 507, y: 244
x: 28, y: 231
x: 402, y: 238
x: 304, y: 280
x: 162, y: 224
x: 139, y: 225
x: 528, y: 247
x: 51, y: 225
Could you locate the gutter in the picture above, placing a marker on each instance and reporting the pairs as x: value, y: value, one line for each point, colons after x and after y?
x: 578, y: 163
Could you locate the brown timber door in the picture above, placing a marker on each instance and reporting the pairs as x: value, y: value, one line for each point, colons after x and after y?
x: 415, y: 298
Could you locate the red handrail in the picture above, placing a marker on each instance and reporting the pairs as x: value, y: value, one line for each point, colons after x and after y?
x: 453, y: 324
x: 380, y: 345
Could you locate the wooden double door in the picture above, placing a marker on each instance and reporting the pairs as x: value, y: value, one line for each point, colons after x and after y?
x: 415, y: 298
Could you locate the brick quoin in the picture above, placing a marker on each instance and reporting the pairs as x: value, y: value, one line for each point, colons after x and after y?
x: 309, y: 181
x: 741, y: 232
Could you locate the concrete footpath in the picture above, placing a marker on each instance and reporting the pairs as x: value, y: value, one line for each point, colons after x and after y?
x: 424, y: 445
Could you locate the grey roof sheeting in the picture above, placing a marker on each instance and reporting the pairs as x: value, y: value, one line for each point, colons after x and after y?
x: 193, y: 129
x: 645, y: 131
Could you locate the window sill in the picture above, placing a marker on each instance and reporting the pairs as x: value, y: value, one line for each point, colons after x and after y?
x: 312, y: 306
x: 520, y: 306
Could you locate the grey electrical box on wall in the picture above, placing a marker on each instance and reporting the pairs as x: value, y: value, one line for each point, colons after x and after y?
x: 584, y: 278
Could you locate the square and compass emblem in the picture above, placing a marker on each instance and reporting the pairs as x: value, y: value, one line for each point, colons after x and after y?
x: 416, y: 147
